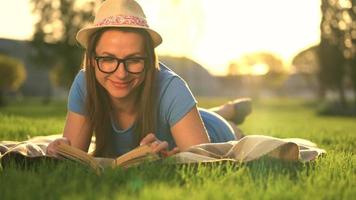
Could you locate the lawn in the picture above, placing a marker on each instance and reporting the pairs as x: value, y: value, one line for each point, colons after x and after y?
x: 330, y: 177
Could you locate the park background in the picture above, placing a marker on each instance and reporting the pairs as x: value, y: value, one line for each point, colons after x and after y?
x: 244, y: 48
x: 294, y: 58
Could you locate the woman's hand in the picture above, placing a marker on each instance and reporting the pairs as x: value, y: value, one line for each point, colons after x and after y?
x: 158, y: 146
x: 52, y: 147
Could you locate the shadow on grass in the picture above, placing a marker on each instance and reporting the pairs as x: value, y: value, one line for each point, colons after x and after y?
x: 331, y: 109
x: 266, y: 166
x: 73, y: 178
x: 258, y: 168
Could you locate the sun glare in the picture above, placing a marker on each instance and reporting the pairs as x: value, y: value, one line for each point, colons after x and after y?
x: 259, y: 69
x: 16, y: 20
x: 213, y: 33
x: 221, y: 32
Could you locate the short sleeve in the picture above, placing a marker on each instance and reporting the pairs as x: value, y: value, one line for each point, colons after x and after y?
x: 176, y: 100
x: 77, y: 94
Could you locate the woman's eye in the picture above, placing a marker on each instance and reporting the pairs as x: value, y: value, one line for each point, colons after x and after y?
x: 108, y: 59
x: 134, y: 60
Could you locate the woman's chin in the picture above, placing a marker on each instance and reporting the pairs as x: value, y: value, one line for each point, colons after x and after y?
x: 119, y: 94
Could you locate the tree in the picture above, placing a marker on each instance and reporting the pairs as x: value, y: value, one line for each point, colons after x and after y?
x: 54, y: 37
x: 307, y: 64
x: 337, y: 49
x: 332, y: 69
x: 260, y: 63
x: 306, y: 61
x: 12, y: 75
x: 352, y: 47
x: 262, y: 70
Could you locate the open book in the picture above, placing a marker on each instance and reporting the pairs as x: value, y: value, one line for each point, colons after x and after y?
x: 133, y: 157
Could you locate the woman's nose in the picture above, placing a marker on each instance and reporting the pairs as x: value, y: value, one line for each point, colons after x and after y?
x: 121, y: 72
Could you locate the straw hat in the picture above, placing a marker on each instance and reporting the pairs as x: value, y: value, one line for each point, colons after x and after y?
x: 118, y: 13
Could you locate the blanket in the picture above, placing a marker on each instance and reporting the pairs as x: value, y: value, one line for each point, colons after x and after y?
x: 248, y: 148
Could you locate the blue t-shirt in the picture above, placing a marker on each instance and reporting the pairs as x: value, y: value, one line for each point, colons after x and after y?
x: 175, y: 100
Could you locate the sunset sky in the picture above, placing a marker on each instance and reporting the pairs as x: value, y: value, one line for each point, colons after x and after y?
x: 210, y: 32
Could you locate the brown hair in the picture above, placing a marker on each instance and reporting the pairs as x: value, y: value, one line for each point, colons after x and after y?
x: 97, y: 103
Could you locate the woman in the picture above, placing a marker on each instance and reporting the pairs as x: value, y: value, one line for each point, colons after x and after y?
x: 126, y: 98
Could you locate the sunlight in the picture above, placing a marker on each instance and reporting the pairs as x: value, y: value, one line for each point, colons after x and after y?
x: 225, y: 31
x: 259, y: 69
x: 246, y: 69
x: 216, y: 34
x: 16, y: 20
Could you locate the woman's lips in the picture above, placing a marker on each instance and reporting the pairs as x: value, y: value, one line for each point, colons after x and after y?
x: 120, y: 85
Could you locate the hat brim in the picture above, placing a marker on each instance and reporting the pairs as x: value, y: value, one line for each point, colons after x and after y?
x: 84, y: 34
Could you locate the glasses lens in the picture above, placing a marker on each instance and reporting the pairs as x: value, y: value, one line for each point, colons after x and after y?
x: 107, y: 64
x: 135, y: 65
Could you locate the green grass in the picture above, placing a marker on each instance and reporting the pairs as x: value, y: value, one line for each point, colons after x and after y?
x: 330, y: 177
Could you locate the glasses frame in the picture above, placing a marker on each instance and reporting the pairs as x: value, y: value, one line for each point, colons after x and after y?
x: 119, y: 61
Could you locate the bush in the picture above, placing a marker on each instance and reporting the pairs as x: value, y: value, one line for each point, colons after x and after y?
x: 62, y: 76
x: 12, y: 75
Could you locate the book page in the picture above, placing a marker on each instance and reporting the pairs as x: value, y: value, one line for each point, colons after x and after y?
x: 75, y: 154
x: 140, y: 151
x: 139, y: 160
x: 105, y: 162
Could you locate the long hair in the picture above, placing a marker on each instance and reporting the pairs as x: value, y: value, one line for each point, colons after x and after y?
x: 98, y: 105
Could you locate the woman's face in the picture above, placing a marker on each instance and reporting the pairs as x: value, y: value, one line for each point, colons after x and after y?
x: 114, y: 43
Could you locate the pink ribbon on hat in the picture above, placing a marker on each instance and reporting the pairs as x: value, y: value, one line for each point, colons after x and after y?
x: 123, y: 20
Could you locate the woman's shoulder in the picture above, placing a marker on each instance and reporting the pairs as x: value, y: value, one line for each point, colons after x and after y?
x: 79, y: 83
x: 175, y: 98
x: 80, y: 78
x: 171, y: 84
x: 166, y: 75
x: 80, y: 75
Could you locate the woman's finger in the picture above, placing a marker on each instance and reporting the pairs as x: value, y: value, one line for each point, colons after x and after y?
x: 52, y: 147
x: 162, y: 146
x: 149, y: 138
x: 154, y: 144
x: 172, y: 152
x: 66, y: 140
x: 51, y: 150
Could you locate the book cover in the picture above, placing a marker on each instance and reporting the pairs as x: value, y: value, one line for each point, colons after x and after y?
x: 133, y: 157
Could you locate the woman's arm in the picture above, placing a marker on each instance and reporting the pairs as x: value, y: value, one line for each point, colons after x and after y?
x: 76, y: 130
x: 186, y: 132
x: 76, y: 133
x: 189, y: 130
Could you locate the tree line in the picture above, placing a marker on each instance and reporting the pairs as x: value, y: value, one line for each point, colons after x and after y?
x: 59, y: 20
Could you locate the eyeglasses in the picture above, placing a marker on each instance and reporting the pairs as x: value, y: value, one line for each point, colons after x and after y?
x: 109, y: 64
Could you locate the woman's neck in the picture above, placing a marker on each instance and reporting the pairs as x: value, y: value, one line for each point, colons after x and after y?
x: 124, y: 113
x: 123, y: 106
x: 126, y: 104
